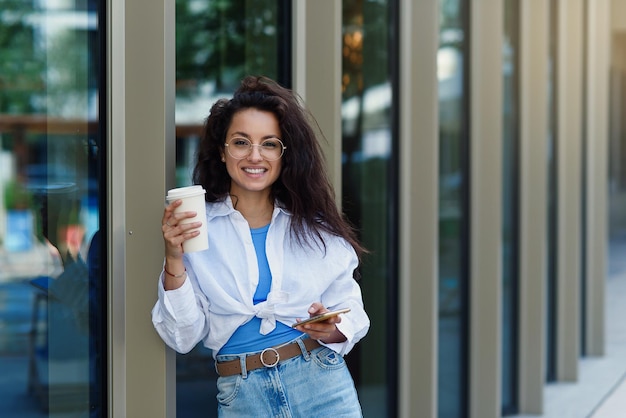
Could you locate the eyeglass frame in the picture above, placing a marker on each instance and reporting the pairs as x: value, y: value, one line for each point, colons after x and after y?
x: 282, y: 147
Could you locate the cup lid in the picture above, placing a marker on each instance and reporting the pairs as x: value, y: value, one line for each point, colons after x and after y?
x: 182, y: 192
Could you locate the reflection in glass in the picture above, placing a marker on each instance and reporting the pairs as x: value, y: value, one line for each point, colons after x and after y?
x: 51, y: 320
x: 217, y: 44
x: 510, y: 195
x: 453, y: 208
x: 369, y: 172
x: 617, y: 156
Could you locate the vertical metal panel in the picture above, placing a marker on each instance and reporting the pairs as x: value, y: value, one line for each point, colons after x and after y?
x: 142, y: 123
x: 533, y: 202
x: 115, y: 198
x: 569, y: 140
x: 598, y: 14
x: 419, y: 170
x: 486, y: 33
x: 618, y: 13
x: 317, y: 73
x: 298, y: 53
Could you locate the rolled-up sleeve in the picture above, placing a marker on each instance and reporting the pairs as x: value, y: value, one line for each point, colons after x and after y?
x: 345, y: 292
x: 180, y: 316
x: 354, y: 325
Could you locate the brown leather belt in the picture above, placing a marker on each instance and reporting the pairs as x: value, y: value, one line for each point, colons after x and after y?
x: 266, y: 358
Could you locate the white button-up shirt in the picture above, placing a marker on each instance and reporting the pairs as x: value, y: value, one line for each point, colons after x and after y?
x: 217, y: 296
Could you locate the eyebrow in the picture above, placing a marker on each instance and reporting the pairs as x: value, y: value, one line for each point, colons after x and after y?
x: 245, y: 135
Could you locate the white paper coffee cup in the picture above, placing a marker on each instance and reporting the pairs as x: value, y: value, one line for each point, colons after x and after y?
x: 193, y: 200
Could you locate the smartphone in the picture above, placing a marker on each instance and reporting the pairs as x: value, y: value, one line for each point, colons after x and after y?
x: 321, y: 317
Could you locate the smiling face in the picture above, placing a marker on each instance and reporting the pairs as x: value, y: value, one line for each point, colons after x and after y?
x: 253, y: 173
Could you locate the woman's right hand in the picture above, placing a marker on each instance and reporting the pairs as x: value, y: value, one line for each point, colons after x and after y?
x: 175, y: 232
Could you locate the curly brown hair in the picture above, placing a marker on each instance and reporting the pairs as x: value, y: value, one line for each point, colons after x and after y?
x: 303, y: 187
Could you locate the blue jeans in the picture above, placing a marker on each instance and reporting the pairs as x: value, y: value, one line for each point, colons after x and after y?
x: 315, y: 385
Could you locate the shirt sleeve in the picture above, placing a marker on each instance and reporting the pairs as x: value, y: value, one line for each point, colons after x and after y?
x: 180, y: 316
x: 345, y: 292
x: 354, y: 325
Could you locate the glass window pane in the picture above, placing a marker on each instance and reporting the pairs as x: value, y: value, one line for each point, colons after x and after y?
x: 217, y: 44
x: 617, y: 156
x: 552, y: 209
x: 617, y: 144
x: 52, y: 186
x: 584, y: 187
x: 452, y: 60
x: 510, y: 194
x: 369, y: 176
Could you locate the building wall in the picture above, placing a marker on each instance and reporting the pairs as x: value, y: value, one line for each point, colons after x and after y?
x: 570, y: 78
x: 133, y: 238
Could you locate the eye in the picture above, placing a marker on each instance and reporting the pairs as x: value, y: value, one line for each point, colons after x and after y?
x: 271, y: 144
x: 240, y: 142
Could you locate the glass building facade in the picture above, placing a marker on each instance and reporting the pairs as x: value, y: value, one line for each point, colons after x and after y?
x: 510, y: 206
x: 454, y: 136
x: 53, y: 223
x: 450, y: 139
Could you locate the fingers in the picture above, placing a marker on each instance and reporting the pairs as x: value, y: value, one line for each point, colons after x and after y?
x: 168, y: 212
x: 176, y: 229
x: 174, y: 238
x: 172, y: 219
x: 319, y: 330
x: 317, y: 308
x: 325, y: 331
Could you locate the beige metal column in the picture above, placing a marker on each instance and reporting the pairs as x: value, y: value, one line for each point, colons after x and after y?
x: 317, y: 72
x: 569, y: 136
x: 419, y: 208
x: 486, y: 80
x: 598, y: 15
x: 141, y: 121
x: 533, y: 202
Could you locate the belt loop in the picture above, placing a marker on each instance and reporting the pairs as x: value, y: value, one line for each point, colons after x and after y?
x: 305, y: 352
x: 244, y: 369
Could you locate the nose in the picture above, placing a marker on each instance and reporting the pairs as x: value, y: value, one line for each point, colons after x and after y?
x: 255, y: 152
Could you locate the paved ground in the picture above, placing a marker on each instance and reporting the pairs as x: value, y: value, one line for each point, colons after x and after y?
x: 613, y: 404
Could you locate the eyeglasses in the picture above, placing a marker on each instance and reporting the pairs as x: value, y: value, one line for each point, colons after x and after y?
x: 271, y: 149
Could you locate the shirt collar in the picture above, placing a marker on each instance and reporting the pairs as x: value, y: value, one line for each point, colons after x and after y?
x: 225, y: 207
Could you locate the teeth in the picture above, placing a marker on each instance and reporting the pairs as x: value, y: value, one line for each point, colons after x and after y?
x: 254, y: 170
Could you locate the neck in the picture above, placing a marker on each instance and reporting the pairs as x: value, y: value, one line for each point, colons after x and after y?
x: 257, y: 210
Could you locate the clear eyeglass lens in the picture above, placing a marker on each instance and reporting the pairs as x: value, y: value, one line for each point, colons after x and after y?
x: 270, y: 149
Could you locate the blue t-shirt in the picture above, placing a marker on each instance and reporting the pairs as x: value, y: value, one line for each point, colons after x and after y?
x: 247, y: 338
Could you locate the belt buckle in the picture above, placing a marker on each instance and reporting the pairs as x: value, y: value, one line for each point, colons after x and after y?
x: 270, y: 349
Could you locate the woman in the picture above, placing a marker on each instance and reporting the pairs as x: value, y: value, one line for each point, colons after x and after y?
x: 279, y: 250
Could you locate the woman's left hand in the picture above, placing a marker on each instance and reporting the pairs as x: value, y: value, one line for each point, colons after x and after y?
x: 324, y: 331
